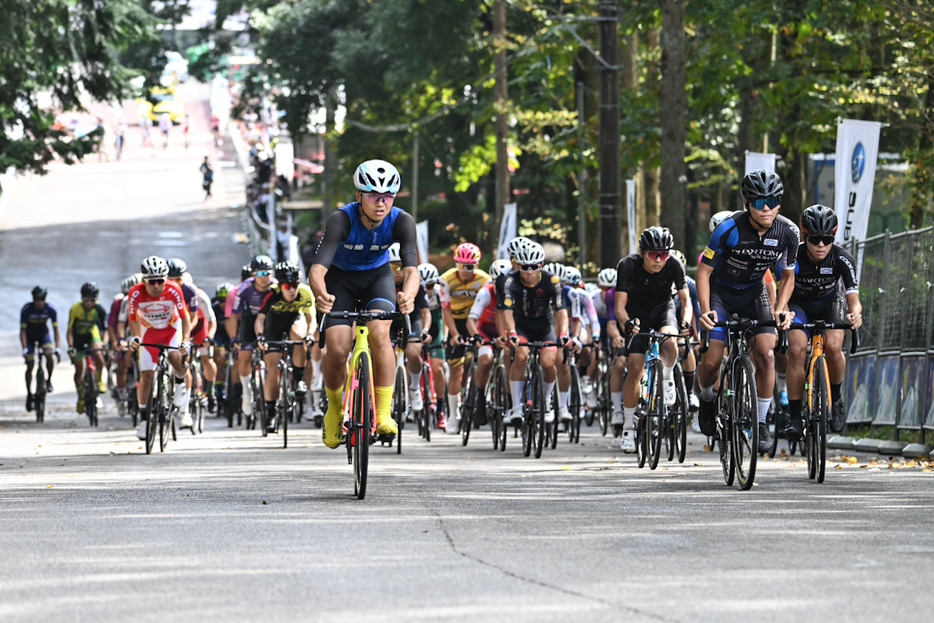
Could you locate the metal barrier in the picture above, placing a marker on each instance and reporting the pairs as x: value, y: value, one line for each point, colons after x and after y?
x: 890, y: 380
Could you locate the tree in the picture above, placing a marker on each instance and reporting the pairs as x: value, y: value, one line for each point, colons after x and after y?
x: 674, y: 119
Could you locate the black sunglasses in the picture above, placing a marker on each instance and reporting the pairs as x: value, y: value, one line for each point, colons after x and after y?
x: 824, y: 240
x: 530, y: 267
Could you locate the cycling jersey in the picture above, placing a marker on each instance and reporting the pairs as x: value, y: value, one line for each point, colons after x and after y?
x: 191, y: 298
x: 533, y: 305
x: 275, y: 302
x: 249, y: 298
x: 114, y: 316
x: 589, y: 318
x: 35, y: 321
x: 232, y: 297
x: 348, y: 244
x: 692, y: 296
x: 571, y: 302
x: 645, y: 290
x: 819, y: 282
x: 483, y: 309
x: 157, y: 312
x: 436, y: 297
x: 461, y: 294
x: 90, y: 322
x: 740, y: 257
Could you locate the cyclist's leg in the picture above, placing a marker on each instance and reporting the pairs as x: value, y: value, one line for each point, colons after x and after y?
x: 298, y: 331
x: 384, y: 373
x: 617, y: 386
x: 101, y: 366
x: 271, y: 388
x: 517, y: 372
x: 338, y: 339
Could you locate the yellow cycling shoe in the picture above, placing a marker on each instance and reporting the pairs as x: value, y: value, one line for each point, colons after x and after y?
x: 331, y: 431
x: 102, y: 387
x: 80, y: 406
x: 386, y: 425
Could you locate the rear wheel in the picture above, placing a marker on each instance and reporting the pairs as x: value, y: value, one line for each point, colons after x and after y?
x: 552, y: 438
x: 165, y: 413
x: 817, y: 422
x: 153, y: 405
x: 745, y: 438
x: 501, y: 407
x: 724, y: 427
x: 38, y: 400
x: 468, y: 404
x: 90, y: 396
x: 285, y: 403
x: 655, y: 417
x: 362, y: 424
x: 258, y: 382
x: 680, y: 415
x: 575, y: 406
x: 399, y: 396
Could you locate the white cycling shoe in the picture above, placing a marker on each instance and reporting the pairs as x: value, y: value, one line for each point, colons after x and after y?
x: 141, y: 431
x: 617, y: 419
x: 564, y: 415
x: 415, y: 400
x: 627, y: 442
x: 185, y: 420
x: 670, y: 395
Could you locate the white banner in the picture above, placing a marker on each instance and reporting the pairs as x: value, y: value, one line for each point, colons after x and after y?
x: 631, y: 213
x: 508, y: 230
x: 855, y: 176
x: 421, y: 241
x: 756, y: 160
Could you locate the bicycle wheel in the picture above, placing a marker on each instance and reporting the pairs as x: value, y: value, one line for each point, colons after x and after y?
x: 153, y: 403
x: 724, y: 428
x: 641, y: 448
x: 605, y: 403
x: 655, y: 417
x: 817, y: 437
x: 428, y: 406
x: 680, y: 415
x: 771, y: 420
x: 284, y: 403
x: 258, y: 382
x: 468, y: 404
x: 165, y: 413
x: 528, y: 418
x: 38, y: 399
x: 745, y: 440
x: 362, y: 423
x: 575, y: 405
x: 539, y: 405
x: 501, y: 406
x: 399, y: 396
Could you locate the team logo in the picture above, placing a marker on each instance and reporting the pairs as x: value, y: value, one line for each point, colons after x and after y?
x: 508, y: 302
x: 858, y: 162
x: 771, y: 242
x: 826, y: 270
x: 709, y: 253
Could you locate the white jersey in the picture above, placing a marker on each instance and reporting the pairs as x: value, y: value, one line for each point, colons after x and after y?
x: 589, y: 312
x: 204, y: 306
x: 480, y: 303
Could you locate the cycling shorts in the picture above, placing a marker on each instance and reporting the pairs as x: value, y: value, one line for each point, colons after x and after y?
x: 488, y: 330
x: 360, y: 290
x: 202, y: 334
x: 279, y: 327
x: 650, y: 319
x: 170, y: 336
x: 45, y: 343
x: 436, y: 346
x: 246, y: 333
x: 455, y: 354
x: 752, y: 303
x: 83, y: 342
x: 536, y: 333
x: 834, y: 309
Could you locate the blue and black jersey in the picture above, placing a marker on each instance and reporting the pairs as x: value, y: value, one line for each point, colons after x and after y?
x: 815, y: 283
x: 35, y: 321
x: 740, y: 256
x: 348, y: 244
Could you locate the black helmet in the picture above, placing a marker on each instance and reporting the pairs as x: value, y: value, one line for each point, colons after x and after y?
x: 261, y: 262
x: 177, y: 267
x: 246, y: 272
x: 90, y: 290
x: 287, y: 272
x: 39, y: 292
x: 818, y: 220
x: 761, y: 184
x: 656, y: 239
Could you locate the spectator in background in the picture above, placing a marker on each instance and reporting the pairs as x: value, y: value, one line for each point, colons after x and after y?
x: 311, y: 248
x: 207, y: 172
x: 120, y: 137
x: 165, y: 125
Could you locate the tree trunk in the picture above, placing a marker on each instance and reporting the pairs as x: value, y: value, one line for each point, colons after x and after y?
x: 921, y: 179
x: 674, y: 119
x: 629, y: 53
x: 501, y: 96
x: 653, y: 174
x: 609, y: 144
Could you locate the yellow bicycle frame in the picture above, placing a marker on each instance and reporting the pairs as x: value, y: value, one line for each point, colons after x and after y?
x: 361, y: 344
x: 817, y: 349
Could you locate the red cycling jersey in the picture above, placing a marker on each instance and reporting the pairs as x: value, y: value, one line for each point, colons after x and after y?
x: 157, y: 312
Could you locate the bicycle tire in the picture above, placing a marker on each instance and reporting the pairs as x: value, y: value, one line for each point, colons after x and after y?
x: 38, y: 399
x: 165, y: 416
x: 821, y: 421
x: 468, y: 404
x: 539, y: 409
x: 258, y: 382
x: 501, y: 407
x: 399, y: 394
x: 724, y: 427
x: 745, y: 428
x: 771, y: 421
x: 655, y: 419
x: 428, y: 408
x: 681, y: 415
x: 284, y: 403
x: 362, y: 424
x: 575, y: 404
x: 641, y: 448
x: 152, y: 411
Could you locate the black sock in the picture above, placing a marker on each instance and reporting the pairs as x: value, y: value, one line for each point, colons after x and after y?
x: 794, y: 408
x: 689, y: 381
x: 297, y: 374
x: 270, y: 406
x: 835, y: 392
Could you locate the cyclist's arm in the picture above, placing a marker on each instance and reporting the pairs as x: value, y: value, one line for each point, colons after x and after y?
x: 472, y: 325
x: 702, y: 281
x: 575, y: 328
x: 58, y: 339
x: 212, y: 327
x: 686, y: 307
x: 22, y: 338
x: 619, y: 306
x: 426, y: 318
x: 855, y: 307
x: 509, y: 322
x: 410, y: 282
x: 784, y: 290
x: 136, y: 328
x: 449, y: 322
x: 232, y: 324
x: 186, y: 328
x: 561, y: 322
x: 259, y: 326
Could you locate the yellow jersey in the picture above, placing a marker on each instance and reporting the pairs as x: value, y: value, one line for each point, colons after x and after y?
x: 461, y: 295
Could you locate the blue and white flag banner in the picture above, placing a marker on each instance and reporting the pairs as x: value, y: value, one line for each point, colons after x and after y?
x: 421, y: 241
x: 508, y: 230
x: 854, y: 176
x: 756, y: 160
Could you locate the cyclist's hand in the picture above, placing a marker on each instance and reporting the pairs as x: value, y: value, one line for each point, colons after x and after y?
x: 686, y: 329
x: 784, y: 319
x: 406, y: 304
x: 632, y: 326
x: 261, y: 342
x: 121, y: 344
x: 856, y: 319
x: 309, y: 338
x: 324, y: 303
x: 207, y: 342
x: 708, y: 321
x: 183, y: 348
x: 71, y: 351
x: 25, y: 352
x: 426, y: 335
x: 576, y: 344
x: 619, y: 341
x: 234, y: 344
x: 513, y: 337
x: 135, y: 342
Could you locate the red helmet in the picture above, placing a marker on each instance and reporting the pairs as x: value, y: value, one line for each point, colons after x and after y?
x: 467, y: 253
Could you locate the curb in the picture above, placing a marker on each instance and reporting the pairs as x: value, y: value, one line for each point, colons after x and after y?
x: 840, y: 442
x: 867, y: 445
x: 917, y: 451
x: 892, y: 447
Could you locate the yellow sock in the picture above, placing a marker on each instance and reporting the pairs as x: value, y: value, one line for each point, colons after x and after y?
x: 335, y: 400
x: 332, y: 419
x: 386, y: 425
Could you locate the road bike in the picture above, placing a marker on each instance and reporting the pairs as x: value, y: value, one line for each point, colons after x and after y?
x: 653, y: 416
x: 160, y: 410
x: 815, y: 409
x: 678, y: 413
x: 89, y: 384
x: 499, y: 401
x: 42, y: 383
x: 257, y: 384
x: 534, y: 400
x: 287, y: 405
x: 358, y: 430
x: 232, y: 407
x: 473, y: 398
x: 737, y: 401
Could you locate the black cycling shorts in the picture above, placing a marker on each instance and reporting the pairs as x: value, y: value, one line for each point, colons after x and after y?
x: 536, y: 332
x: 360, y: 290
x: 246, y: 332
x: 752, y: 303
x: 834, y: 309
x: 279, y: 327
x: 650, y: 319
x: 455, y: 354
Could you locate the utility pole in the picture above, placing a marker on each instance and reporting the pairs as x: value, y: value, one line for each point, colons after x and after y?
x: 501, y: 97
x: 415, y: 177
x: 581, y: 181
x: 610, y: 222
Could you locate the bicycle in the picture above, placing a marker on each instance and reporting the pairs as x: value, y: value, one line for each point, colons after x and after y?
x: 534, y: 400
x: 89, y: 384
x: 400, y: 393
x: 652, y: 413
x: 815, y: 409
x: 232, y: 396
x: 258, y: 383
x: 197, y: 398
x: 426, y: 419
x: 159, y: 407
x: 470, y: 392
x: 737, y: 402
x: 575, y: 400
x: 286, y: 404
x: 677, y: 425
x: 500, y: 399
x: 38, y: 398
x: 358, y: 430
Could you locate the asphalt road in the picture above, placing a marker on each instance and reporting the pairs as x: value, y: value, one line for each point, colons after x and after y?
x: 228, y: 526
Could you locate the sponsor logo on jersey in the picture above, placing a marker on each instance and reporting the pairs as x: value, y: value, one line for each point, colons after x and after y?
x: 826, y: 270
x: 508, y: 302
x: 555, y: 279
x: 709, y: 253
x: 771, y: 242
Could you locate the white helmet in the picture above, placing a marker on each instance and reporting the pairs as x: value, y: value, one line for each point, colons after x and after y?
x: 128, y: 283
x: 154, y: 266
x: 394, y: 252
x: 678, y: 255
x: 500, y: 267
x: 531, y: 253
x: 556, y: 269
x: 513, y: 246
x: 428, y: 273
x: 377, y: 176
x: 572, y: 275
x: 607, y: 278
x: 718, y: 218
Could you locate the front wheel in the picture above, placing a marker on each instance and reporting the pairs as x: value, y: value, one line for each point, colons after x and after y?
x: 817, y: 422
x: 655, y: 418
x: 724, y: 432
x: 745, y: 429
x: 362, y: 424
x: 38, y: 401
x: 680, y: 416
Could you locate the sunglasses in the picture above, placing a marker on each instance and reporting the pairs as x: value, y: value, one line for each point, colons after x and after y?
x: 467, y: 266
x: 377, y: 196
x: 156, y: 281
x: 263, y: 273
x: 290, y: 286
x: 530, y: 267
x: 821, y: 240
x: 657, y: 255
x: 771, y: 202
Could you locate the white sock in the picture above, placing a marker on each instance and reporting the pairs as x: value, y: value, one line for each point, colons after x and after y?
x: 452, y: 405
x: 549, y: 387
x: 628, y: 414
x: 764, y: 409
x: 247, y: 388
x: 564, y: 396
x: 617, y: 398
x: 415, y: 379
x: 782, y: 382
x: 668, y: 373
x: 515, y: 388
x: 707, y: 394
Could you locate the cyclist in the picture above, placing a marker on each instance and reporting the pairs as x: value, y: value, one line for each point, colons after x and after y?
x: 688, y: 359
x: 350, y: 272
x: 604, y: 292
x: 420, y: 324
x: 820, y: 268
x: 202, y: 339
x: 588, y: 330
x: 116, y: 327
x: 428, y: 273
x: 157, y: 314
x: 247, y: 303
x: 730, y: 280
x: 34, y: 327
x: 461, y: 285
x: 221, y: 339
x: 87, y: 322
x: 177, y: 268
x: 286, y: 314
x: 573, y: 306
x: 643, y: 301
x: 533, y: 311
x: 482, y: 321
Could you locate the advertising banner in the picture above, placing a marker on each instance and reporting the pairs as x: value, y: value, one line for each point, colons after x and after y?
x: 421, y: 241
x: 507, y: 230
x: 756, y: 160
x: 854, y: 176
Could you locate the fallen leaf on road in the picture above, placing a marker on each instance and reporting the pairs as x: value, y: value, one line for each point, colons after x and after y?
x: 264, y: 501
x: 50, y: 486
x: 852, y: 460
x: 565, y: 467
x: 837, y: 467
